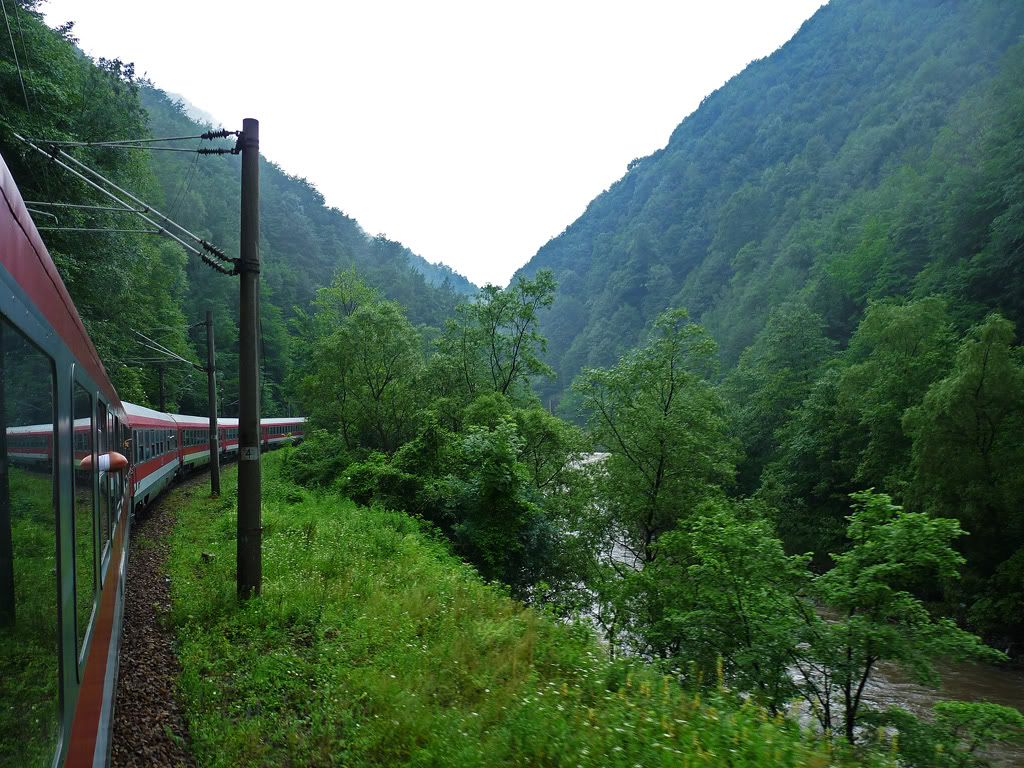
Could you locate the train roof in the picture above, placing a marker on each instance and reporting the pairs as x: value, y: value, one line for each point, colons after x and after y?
x: 184, y: 420
x: 26, y: 429
x: 24, y: 256
x: 289, y: 420
x: 141, y: 412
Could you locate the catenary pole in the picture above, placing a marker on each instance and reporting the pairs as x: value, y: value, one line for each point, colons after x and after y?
x: 211, y: 373
x: 250, y: 535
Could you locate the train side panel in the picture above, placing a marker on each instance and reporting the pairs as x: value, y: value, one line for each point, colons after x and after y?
x: 63, y: 530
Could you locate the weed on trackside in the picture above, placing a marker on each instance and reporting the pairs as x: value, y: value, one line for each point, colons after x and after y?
x: 372, y: 645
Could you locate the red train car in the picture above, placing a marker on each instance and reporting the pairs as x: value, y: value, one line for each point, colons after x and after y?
x: 63, y: 529
x: 275, y: 432
x: 154, y: 451
x: 64, y: 517
x: 228, y: 428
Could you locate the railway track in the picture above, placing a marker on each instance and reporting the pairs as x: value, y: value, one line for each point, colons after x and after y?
x: 149, y: 724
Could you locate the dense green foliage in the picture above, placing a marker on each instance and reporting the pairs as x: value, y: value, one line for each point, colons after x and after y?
x: 372, y: 645
x: 931, y: 416
x: 876, y: 154
x: 118, y: 281
x: 456, y: 439
x: 843, y: 221
x: 122, y: 282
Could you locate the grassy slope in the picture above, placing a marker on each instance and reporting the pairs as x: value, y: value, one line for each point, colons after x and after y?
x: 371, y: 645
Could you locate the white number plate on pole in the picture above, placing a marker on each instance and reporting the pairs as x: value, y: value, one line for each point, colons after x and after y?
x: 250, y: 454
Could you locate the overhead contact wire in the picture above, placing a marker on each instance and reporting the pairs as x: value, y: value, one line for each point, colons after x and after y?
x: 146, y: 207
x: 209, y: 135
x: 162, y: 230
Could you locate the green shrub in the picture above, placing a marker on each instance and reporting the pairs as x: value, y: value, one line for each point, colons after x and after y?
x: 371, y: 645
x: 319, y: 460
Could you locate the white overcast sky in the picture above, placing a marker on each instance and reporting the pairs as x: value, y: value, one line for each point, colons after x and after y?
x: 472, y: 131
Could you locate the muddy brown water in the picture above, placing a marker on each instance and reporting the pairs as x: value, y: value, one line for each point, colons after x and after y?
x: 965, y: 682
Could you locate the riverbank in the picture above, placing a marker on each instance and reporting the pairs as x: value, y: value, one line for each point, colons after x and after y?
x: 372, y: 645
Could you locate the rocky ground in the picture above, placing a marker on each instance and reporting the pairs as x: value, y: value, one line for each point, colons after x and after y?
x: 149, y: 725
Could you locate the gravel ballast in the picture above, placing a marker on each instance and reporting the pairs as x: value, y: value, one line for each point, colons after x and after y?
x: 149, y: 725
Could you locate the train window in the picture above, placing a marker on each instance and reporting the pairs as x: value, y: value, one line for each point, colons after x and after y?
x: 103, y: 446
x: 85, y: 566
x: 116, y: 478
x: 29, y: 629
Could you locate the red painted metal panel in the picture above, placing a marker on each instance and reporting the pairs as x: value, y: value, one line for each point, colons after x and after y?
x: 85, y: 726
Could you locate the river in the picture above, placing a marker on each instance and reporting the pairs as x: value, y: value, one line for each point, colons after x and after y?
x: 966, y: 682
x: 888, y: 685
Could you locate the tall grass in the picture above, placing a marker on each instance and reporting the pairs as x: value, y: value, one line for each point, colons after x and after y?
x: 372, y: 645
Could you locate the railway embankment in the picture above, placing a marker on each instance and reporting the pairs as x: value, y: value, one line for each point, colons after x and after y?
x: 372, y: 645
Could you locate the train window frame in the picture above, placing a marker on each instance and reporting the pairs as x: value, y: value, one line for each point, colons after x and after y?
x: 57, y: 651
x: 83, y: 636
x: 103, y: 445
x: 118, y: 477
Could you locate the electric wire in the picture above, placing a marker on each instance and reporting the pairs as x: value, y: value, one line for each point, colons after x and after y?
x: 156, y: 346
x: 107, y: 145
x: 104, y: 230
x: 148, y: 208
x: 86, y: 207
x: 209, y: 135
x: 24, y: 46
x: 15, y: 52
x: 184, y: 188
x: 207, y: 246
x: 43, y: 213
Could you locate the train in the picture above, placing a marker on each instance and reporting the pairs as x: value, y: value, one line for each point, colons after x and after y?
x: 77, y: 463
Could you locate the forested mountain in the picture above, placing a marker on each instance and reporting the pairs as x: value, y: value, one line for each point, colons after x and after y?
x: 874, y: 155
x: 127, y: 281
x: 303, y: 242
x: 798, y: 327
x: 846, y: 220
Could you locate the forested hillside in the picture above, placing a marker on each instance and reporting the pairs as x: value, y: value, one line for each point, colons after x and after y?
x: 303, y: 243
x: 877, y: 154
x: 797, y: 333
x: 126, y: 281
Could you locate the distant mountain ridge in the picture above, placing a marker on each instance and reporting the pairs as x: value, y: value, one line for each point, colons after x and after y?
x: 303, y: 244
x: 436, y: 273
x: 764, y: 193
